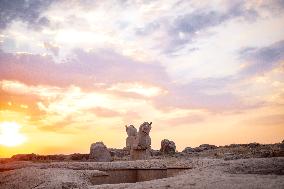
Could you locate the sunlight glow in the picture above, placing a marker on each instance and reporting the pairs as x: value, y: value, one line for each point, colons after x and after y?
x: 144, y: 90
x: 10, y: 134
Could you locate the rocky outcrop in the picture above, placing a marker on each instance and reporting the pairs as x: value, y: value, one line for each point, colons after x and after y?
x: 201, y: 148
x: 204, y: 147
x: 253, y: 145
x: 188, y: 150
x: 99, y: 152
x: 168, y: 147
x: 155, y: 152
x: 207, y: 146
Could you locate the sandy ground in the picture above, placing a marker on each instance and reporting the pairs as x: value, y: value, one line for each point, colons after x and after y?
x: 203, y: 173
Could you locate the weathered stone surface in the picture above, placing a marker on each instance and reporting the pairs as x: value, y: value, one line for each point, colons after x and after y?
x: 141, y: 146
x: 143, y: 140
x: 131, y: 132
x: 253, y: 145
x: 99, y: 152
x: 155, y: 152
x: 231, y: 156
x: 204, y: 147
x: 140, y: 154
x: 188, y: 150
x: 233, y: 145
x: 168, y: 147
x: 118, y: 153
x: 207, y: 147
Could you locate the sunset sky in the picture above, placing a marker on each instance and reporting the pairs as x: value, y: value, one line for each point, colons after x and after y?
x: 76, y: 72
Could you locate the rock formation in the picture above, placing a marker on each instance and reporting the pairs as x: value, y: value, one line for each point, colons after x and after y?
x: 141, y: 145
x: 203, y: 147
x: 168, y: 147
x: 99, y: 152
x: 188, y: 150
x: 131, y: 132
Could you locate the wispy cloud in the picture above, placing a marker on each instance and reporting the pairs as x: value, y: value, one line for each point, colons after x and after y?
x: 185, y: 28
x: 94, y: 67
x: 26, y: 11
x: 261, y: 60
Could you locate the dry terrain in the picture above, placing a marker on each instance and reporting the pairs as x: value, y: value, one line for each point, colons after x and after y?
x: 234, y: 166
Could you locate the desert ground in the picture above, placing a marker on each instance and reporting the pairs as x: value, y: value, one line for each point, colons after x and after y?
x: 207, y: 166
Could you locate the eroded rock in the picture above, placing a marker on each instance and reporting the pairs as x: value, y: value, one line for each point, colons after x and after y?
x: 99, y: 152
x: 204, y: 147
x: 143, y: 140
x: 188, y: 150
x: 131, y: 132
x: 168, y: 147
x: 140, y: 149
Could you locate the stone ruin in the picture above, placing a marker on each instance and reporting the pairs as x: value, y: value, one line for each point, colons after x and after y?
x: 139, y: 144
x: 168, y: 147
x: 131, y: 132
x: 99, y: 152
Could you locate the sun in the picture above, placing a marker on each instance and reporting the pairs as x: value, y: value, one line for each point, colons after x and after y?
x: 10, y: 134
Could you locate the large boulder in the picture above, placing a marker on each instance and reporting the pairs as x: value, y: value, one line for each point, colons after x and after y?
x: 99, y: 152
x: 168, y: 147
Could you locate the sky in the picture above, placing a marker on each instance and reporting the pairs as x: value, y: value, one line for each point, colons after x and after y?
x: 76, y: 72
